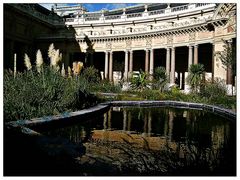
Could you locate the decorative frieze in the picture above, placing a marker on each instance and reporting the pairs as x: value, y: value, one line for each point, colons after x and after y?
x: 192, y: 36
x: 169, y: 39
x: 128, y: 43
x: 109, y: 45
x: 149, y: 42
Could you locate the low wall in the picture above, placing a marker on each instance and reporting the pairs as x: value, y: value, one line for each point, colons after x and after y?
x: 77, y: 116
x: 178, y: 104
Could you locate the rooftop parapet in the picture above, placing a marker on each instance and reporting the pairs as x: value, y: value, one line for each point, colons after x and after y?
x: 102, y: 16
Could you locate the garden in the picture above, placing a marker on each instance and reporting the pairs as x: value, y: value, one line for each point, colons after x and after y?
x: 46, y: 88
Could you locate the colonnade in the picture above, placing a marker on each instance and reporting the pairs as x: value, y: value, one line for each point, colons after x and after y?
x: 149, y: 62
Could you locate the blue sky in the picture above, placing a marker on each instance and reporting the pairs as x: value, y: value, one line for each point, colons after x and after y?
x: 95, y: 6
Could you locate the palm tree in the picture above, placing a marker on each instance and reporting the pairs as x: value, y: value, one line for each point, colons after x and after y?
x: 160, y: 78
x: 195, y: 76
x: 140, y: 81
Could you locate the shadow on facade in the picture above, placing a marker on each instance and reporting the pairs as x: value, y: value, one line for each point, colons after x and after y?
x: 26, y: 32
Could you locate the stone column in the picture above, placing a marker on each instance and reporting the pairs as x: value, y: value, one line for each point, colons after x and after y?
x: 146, y: 60
x: 172, y: 75
x: 106, y: 65
x: 168, y: 61
x: 126, y: 66
x: 196, y: 54
x: 180, y: 81
x: 213, y: 60
x: 131, y: 62
x: 111, y: 66
x: 190, y: 55
x: 151, y: 61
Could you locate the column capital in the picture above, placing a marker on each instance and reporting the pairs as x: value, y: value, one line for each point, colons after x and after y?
x: 196, y: 45
x: 190, y: 45
x: 173, y: 48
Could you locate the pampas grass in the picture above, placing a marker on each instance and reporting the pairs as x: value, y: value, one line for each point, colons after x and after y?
x: 27, y: 62
x: 39, y: 61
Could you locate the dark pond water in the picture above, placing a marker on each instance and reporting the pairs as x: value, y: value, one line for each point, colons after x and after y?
x: 154, y: 141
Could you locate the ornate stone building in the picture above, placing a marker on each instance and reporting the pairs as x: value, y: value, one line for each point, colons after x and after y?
x: 124, y: 40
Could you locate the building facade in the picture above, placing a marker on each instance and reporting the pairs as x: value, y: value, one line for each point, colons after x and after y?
x: 143, y: 37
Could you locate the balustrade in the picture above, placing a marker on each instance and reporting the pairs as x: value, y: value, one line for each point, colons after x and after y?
x: 133, y: 15
x: 179, y: 8
x: 162, y: 11
x: 113, y: 17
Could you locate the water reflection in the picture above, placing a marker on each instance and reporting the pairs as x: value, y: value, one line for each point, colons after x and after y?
x: 193, y: 136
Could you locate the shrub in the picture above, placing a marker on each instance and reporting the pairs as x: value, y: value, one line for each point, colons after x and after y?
x: 214, y: 90
x: 31, y: 94
x: 91, y: 74
x: 105, y: 86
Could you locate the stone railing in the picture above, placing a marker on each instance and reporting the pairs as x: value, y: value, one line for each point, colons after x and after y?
x: 134, y: 15
x: 96, y: 16
x: 155, y: 28
x: 161, y: 11
x: 179, y: 8
x: 113, y: 17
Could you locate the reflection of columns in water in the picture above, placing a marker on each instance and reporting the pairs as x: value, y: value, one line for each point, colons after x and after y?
x: 145, y: 124
x: 188, y: 123
x: 166, y: 122
x: 124, y: 119
x: 129, y: 121
x: 109, y: 118
x: 149, y: 123
x: 105, y: 116
x: 170, y: 124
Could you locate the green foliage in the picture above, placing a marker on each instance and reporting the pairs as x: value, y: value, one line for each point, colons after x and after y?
x: 228, y: 56
x: 140, y: 81
x: 194, y: 77
x: 91, y: 74
x: 160, y: 78
x: 31, y: 94
x: 106, y: 87
x: 214, y: 90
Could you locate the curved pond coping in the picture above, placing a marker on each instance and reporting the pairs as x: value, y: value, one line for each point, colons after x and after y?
x: 178, y: 104
x: 25, y: 125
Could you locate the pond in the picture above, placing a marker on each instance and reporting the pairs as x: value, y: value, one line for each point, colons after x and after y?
x: 154, y: 141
